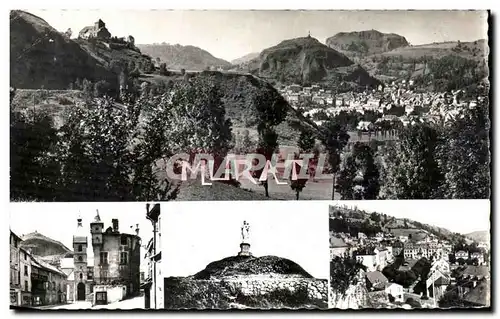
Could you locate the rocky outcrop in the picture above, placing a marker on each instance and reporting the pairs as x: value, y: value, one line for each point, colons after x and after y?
x: 306, y: 60
x: 365, y: 42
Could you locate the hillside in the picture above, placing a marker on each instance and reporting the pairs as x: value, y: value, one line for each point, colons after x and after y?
x: 41, y: 245
x: 245, y: 59
x: 414, y: 61
x: 364, y: 43
x: 479, y: 236
x: 40, y: 56
x: 183, y: 57
x: 373, y: 222
x: 306, y: 60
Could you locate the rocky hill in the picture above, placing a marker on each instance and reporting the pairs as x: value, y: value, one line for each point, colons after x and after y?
x: 364, y: 43
x: 183, y: 57
x: 41, y: 245
x: 245, y: 282
x: 40, y: 56
x: 306, y: 60
x: 247, y: 265
x: 245, y: 59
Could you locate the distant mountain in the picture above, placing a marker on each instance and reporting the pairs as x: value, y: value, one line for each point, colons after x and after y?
x: 246, y: 58
x: 41, y: 245
x: 182, y: 57
x: 479, y: 236
x: 364, y: 43
x: 40, y: 56
x: 306, y: 60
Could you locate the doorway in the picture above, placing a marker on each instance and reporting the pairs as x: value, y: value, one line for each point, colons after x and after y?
x: 80, y: 292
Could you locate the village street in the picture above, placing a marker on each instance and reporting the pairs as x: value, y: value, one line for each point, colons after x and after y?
x: 132, y: 303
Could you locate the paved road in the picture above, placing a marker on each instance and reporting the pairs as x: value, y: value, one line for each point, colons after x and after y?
x: 75, y: 306
x: 133, y: 303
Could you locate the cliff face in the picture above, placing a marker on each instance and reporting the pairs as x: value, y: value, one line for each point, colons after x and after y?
x: 365, y: 42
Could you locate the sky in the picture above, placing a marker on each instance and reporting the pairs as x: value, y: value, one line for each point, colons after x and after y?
x: 233, y: 34
x: 195, y: 234
x: 462, y: 216
x: 59, y: 220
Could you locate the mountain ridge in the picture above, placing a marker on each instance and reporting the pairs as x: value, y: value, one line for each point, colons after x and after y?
x: 178, y: 56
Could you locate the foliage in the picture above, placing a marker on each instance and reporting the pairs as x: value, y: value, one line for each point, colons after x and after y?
x: 334, y: 138
x: 465, y: 155
x: 359, y: 170
x: 344, y: 273
x: 412, y: 170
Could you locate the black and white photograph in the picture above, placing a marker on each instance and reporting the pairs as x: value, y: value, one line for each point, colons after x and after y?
x: 410, y: 254
x: 239, y: 255
x: 79, y: 256
x: 199, y: 105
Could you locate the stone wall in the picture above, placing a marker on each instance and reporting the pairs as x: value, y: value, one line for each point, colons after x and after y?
x: 245, y: 292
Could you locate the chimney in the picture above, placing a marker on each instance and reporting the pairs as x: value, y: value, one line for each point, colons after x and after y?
x: 114, y: 221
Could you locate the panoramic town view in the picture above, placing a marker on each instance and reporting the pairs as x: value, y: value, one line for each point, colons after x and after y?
x: 386, y: 109
x: 378, y: 260
x: 97, y: 261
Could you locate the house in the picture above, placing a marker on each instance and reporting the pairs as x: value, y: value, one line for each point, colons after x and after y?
x: 97, y: 31
x: 375, y: 280
x: 338, y: 247
x: 461, y: 254
x: 479, y: 256
x: 436, y: 283
x: 369, y: 260
x: 395, y: 290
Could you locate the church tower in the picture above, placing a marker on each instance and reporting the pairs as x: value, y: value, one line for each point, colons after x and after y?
x: 80, y: 261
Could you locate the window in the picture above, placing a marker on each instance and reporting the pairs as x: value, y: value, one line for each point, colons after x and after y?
x: 79, y: 247
x: 80, y: 258
x: 26, y: 270
x: 123, y: 258
x: 81, y: 276
x: 25, y: 256
x: 26, y: 288
x: 89, y: 275
x: 124, y: 240
x: 54, y: 287
x: 104, y: 257
x: 18, y: 277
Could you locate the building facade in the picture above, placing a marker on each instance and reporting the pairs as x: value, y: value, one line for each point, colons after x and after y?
x: 153, y: 285
x: 15, y: 274
x: 25, y: 276
x: 117, y: 260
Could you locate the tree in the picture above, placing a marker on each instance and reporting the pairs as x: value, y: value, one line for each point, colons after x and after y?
x: 359, y: 171
x: 101, y: 88
x: 163, y: 69
x: 267, y: 146
x: 334, y: 138
x: 343, y: 273
x: 298, y: 184
x: 465, y: 155
x: 33, y: 168
x: 195, y: 119
x: 412, y: 170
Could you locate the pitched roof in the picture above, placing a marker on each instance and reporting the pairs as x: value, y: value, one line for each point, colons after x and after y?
x: 336, y: 242
x: 480, y: 295
x: 476, y: 271
x: 376, y: 278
